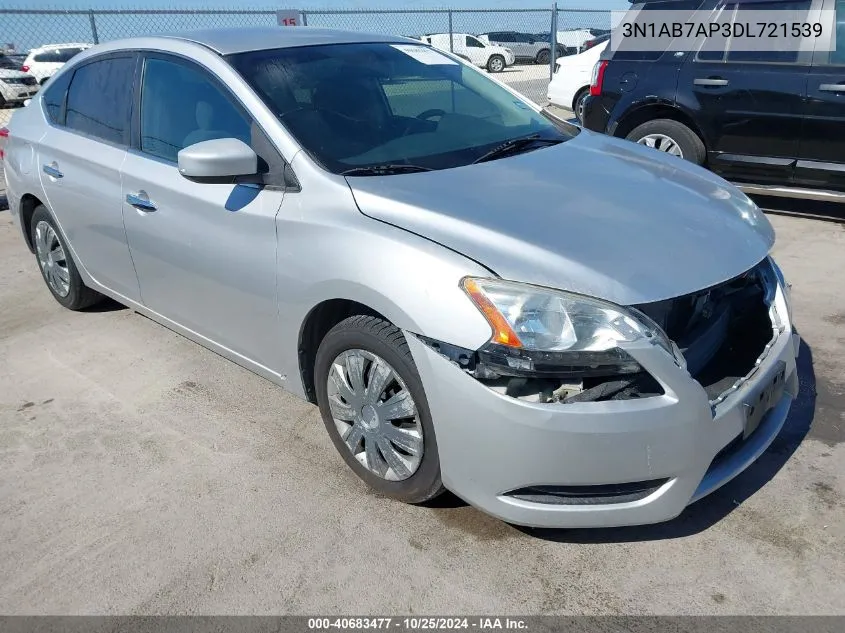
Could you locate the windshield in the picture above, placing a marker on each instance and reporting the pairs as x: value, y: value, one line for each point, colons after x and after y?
x: 8, y: 64
x: 354, y: 106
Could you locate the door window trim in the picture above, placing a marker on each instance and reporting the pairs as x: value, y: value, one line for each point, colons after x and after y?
x: 125, y: 143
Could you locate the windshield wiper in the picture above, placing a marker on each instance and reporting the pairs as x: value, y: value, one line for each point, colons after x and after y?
x: 384, y: 170
x: 516, y: 145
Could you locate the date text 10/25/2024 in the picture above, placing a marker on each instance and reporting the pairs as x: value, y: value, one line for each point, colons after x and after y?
x: 421, y: 623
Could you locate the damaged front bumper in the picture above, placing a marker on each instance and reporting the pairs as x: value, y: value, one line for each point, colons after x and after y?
x: 612, y: 462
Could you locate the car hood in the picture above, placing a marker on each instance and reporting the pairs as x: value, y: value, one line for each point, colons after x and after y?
x: 594, y: 215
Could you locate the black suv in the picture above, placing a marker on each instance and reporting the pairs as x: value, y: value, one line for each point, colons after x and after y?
x: 773, y: 122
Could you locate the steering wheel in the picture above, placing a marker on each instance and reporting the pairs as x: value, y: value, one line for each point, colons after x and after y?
x: 430, y: 114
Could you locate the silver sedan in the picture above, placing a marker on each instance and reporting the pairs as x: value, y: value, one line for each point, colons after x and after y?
x: 562, y: 328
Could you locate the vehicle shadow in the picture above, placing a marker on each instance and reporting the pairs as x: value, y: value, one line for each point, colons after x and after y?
x: 106, y: 305
x: 708, y: 511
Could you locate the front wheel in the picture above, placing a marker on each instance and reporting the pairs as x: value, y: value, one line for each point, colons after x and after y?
x: 374, y: 407
x: 671, y: 137
x: 543, y: 57
x: 496, y: 64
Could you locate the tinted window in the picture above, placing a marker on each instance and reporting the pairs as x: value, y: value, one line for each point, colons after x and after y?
x: 361, y: 105
x: 474, y: 43
x: 66, y: 54
x: 773, y: 57
x: 54, y: 97
x: 181, y: 106
x: 100, y: 98
x: 48, y: 56
x: 838, y: 56
x: 8, y: 64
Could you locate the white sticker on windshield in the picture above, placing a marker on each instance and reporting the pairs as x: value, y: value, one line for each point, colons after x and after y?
x: 425, y: 55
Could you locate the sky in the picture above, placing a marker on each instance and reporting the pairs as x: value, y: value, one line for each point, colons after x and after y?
x: 311, y: 4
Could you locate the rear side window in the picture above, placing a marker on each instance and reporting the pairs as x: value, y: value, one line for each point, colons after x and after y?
x: 100, y: 98
x: 837, y: 57
x: 54, y: 97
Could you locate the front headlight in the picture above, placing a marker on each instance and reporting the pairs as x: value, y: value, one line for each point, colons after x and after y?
x: 540, y: 330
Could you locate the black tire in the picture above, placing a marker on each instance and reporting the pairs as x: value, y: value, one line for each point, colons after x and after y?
x: 43, y: 81
x: 578, y: 103
x: 2, y: 101
x: 691, y: 145
x: 544, y: 56
x: 79, y: 295
x: 379, y: 337
x: 496, y: 61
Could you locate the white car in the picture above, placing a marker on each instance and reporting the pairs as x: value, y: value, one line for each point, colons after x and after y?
x: 570, y: 85
x: 15, y: 86
x: 490, y: 56
x: 44, y: 61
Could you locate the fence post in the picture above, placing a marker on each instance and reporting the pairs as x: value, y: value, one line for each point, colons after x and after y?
x: 304, y: 18
x: 553, y: 43
x: 451, y: 34
x: 93, y: 22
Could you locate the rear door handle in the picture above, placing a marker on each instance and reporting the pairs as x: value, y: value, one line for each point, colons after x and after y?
x: 711, y: 83
x: 832, y: 87
x: 52, y: 171
x: 140, y: 201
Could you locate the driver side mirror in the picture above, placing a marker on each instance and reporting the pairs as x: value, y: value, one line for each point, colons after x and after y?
x: 218, y: 158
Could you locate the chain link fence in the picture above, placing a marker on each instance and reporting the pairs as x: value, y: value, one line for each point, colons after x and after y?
x: 527, y: 33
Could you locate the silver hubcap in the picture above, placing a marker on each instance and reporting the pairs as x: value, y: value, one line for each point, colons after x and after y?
x: 52, y: 258
x: 375, y: 414
x: 579, y: 107
x: 497, y: 65
x: 662, y: 143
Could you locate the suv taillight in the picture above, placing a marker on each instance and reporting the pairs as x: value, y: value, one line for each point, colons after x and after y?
x: 597, y: 81
x: 24, y: 68
x: 4, y: 134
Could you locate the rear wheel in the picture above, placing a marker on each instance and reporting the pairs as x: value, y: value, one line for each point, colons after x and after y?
x: 373, y: 405
x: 57, y: 266
x: 544, y: 56
x: 578, y: 103
x: 671, y: 137
x: 496, y: 64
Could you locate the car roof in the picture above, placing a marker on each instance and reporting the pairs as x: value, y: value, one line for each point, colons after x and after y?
x: 226, y: 41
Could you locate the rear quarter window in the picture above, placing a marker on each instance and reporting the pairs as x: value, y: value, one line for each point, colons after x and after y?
x: 54, y: 97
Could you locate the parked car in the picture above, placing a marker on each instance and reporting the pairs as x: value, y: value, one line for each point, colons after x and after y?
x: 525, y: 47
x: 44, y: 61
x: 770, y: 121
x: 355, y: 229
x: 570, y: 85
x: 15, y: 86
x: 574, y: 38
x: 490, y: 56
x: 599, y: 39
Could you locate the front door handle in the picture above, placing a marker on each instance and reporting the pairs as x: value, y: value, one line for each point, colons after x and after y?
x: 53, y: 171
x: 832, y: 87
x: 711, y: 83
x: 140, y: 201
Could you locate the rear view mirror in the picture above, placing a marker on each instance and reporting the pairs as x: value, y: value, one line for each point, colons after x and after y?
x: 218, y: 158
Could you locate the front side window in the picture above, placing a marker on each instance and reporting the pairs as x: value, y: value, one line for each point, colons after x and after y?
x: 99, y: 99
x: 363, y: 105
x: 180, y: 106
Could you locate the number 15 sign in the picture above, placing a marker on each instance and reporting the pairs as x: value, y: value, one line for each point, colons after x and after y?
x: 289, y: 18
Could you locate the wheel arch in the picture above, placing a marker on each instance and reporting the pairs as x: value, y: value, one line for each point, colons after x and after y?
x: 656, y: 110
x: 317, y: 323
x: 29, y: 203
